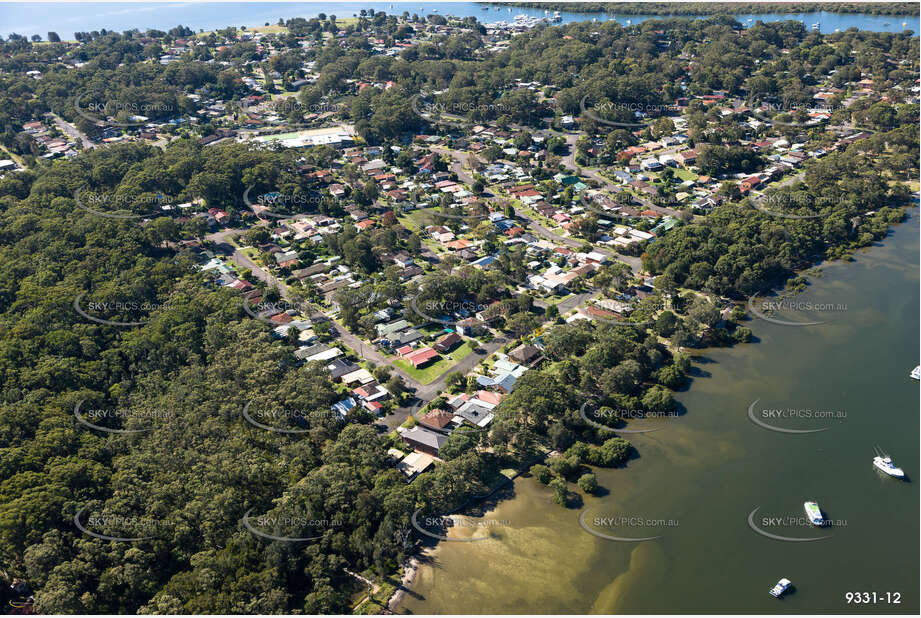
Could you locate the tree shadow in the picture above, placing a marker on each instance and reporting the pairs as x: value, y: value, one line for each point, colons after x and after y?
x: 601, y: 492
x: 574, y: 500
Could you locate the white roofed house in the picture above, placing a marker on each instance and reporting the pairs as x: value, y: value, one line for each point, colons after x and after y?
x: 667, y: 159
x: 476, y: 412
x: 651, y: 164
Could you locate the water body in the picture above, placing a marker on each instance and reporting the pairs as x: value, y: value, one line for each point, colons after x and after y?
x: 66, y: 18
x: 709, y: 468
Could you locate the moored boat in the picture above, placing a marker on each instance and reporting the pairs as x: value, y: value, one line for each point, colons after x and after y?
x: 780, y: 587
x: 814, y: 513
x: 884, y: 463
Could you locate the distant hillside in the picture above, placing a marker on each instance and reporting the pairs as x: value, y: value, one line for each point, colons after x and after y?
x: 709, y: 8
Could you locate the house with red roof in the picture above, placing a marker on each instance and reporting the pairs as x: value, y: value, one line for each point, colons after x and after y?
x: 446, y: 343
x: 421, y: 356
x: 752, y: 182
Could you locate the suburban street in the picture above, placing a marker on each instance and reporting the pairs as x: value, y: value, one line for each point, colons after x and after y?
x: 457, y: 168
x: 72, y: 131
x: 363, y: 350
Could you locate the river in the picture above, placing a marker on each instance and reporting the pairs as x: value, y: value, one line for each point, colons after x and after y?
x: 700, y: 475
x: 65, y: 18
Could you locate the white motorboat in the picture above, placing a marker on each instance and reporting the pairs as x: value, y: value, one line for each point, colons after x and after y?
x: 814, y: 513
x: 884, y: 463
x: 780, y: 587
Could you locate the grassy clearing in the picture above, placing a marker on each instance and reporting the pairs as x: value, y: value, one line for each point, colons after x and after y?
x: 461, y: 352
x: 684, y: 174
x: 14, y: 157
x: 379, y: 599
x: 427, y: 374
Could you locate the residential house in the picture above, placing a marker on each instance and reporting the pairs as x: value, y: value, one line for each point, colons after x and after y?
x: 447, y: 343
x: 439, y: 420
x: 525, y: 354
x: 424, y: 440
x: 471, y: 327
x: 686, y: 157
x: 421, y: 356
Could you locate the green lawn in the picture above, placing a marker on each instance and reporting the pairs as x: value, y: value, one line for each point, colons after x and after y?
x: 684, y: 174
x: 461, y: 352
x: 428, y: 374
x: 412, y: 222
x: 553, y: 300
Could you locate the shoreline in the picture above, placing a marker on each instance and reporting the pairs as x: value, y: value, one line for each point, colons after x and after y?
x: 257, y: 24
x: 414, y: 564
x: 410, y: 572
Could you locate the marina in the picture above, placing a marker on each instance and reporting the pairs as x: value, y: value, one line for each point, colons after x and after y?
x: 67, y: 18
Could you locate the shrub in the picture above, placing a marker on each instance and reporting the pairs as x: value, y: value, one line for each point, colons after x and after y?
x: 612, y: 453
x: 541, y: 473
x: 588, y: 483
x: 560, y: 491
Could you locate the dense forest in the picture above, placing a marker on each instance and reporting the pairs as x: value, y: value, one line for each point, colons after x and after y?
x: 185, y: 469
x: 195, y: 468
x: 739, y: 250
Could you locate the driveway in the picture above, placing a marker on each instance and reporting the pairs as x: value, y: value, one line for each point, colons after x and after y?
x: 72, y: 131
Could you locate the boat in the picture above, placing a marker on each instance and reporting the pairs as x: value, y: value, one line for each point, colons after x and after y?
x: 815, y: 26
x: 884, y: 462
x: 780, y: 587
x: 904, y: 23
x: 485, y: 8
x: 916, y: 373
x: 814, y: 513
